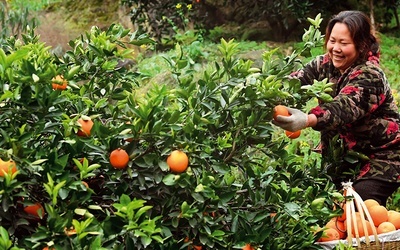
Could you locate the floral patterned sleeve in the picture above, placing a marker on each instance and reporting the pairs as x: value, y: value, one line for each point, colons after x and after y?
x: 361, y: 91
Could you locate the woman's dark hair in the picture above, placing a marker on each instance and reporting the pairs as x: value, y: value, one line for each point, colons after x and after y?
x: 360, y: 29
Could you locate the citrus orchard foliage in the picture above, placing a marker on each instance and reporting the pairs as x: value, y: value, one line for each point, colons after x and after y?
x: 239, y: 171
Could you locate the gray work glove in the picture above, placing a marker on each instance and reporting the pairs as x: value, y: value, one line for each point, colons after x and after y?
x: 296, y: 121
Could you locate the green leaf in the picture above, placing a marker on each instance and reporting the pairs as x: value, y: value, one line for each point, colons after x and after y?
x: 292, y: 209
x: 125, y: 200
x: 16, y: 56
x: 141, y: 211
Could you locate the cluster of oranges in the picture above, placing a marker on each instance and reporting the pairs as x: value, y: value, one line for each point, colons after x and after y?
x: 177, y: 161
x: 282, y: 110
x: 384, y: 221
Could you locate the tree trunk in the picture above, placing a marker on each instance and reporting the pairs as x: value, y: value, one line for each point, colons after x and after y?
x: 396, y: 16
x: 371, y: 12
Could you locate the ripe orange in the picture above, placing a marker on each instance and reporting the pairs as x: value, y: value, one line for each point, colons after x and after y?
x: 293, y: 135
x: 338, y: 225
x: 70, y: 231
x: 371, y: 202
x: 86, y: 127
x: 178, y: 161
x: 378, y: 214
x: 248, y: 247
x: 394, y: 218
x: 119, y: 158
x: 343, y: 216
x: 36, y: 210
x: 385, y: 227
x: 280, y: 110
x: 59, y: 83
x: 360, y: 228
x: 7, y: 167
x: 330, y: 234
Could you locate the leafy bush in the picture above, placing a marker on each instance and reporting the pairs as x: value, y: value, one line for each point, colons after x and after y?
x: 241, y: 171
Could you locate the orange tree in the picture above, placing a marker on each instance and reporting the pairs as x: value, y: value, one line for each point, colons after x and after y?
x: 240, y: 173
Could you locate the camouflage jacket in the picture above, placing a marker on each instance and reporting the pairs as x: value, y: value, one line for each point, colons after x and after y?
x: 363, y: 113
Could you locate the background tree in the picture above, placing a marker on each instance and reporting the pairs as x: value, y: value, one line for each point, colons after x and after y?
x: 247, y: 19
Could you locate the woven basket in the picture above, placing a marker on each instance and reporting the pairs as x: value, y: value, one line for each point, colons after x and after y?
x: 354, y: 203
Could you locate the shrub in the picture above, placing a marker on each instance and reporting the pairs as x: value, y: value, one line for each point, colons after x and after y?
x: 239, y: 172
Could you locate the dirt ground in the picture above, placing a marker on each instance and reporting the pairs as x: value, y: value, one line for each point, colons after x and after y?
x: 56, y: 28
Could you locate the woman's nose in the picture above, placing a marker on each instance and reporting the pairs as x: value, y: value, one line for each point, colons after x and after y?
x: 337, y: 48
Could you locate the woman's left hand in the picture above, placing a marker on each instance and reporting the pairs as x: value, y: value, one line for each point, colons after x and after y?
x: 296, y: 121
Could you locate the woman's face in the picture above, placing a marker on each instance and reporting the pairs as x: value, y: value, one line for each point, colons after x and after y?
x: 341, y: 47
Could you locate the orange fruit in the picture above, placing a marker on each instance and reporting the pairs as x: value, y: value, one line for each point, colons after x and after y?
x: 329, y: 235
x: 178, y: 161
x: 343, y: 216
x: 119, y: 158
x: 248, y: 247
x: 59, y: 83
x: 371, y: 202
x: 70, y: 231
x: 385, y: 227
x: 378, y: 214
x: 280, y: 110
x: 293, y: 135
x: 36, y: 210
x: 394, y: 218
x: 338, y: 225
x: 86, y: 127
x: 7, y: 167
x: 360, y: 228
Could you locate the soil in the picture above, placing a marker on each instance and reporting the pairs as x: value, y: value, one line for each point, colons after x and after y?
x: 57, y: 26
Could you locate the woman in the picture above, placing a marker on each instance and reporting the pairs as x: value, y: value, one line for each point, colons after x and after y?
x: 363, y: 113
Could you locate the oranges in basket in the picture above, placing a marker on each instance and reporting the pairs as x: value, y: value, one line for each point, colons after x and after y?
x: 383, y: 221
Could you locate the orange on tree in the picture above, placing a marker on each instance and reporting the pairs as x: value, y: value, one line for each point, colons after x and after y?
x: 394, y: 218
x: 178, y: 161
x: 36, y: 210
x: 195, y: 247
x: 86, y: 125
x: 329, y: 235
x: 378, y: 214
x: 119, y: 158
x: 7, y: 167
x: 385, y: 227
x: 280, y: 110
x: 59, y: 83
x: 69, y: 231
x: 293, y: 135
x: 248, y: 247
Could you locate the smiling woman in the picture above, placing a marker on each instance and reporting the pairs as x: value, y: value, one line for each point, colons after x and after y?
x: 341, y: 47
x: 363, y: 113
